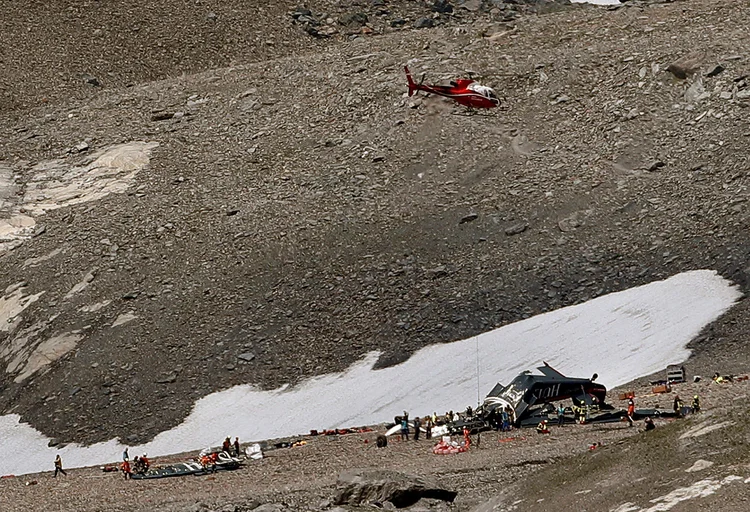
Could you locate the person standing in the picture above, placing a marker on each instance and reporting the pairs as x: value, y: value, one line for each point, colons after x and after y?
x: 417, y: 426
x: 428, y: 428
x: 505, y: 416
x: 226, y: 446
x: 584, y: 413
x: 467, y: 438
x: 696, y: 404
x: 631, y: 411
x: 236, y: 446
x: 405, y: 427
x: 126, y: 472
x: 677, y: 406
x: 125, y: 455
x: 560, y: 415
x: 58, y: 466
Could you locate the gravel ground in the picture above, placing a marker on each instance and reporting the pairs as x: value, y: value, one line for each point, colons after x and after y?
x: 304, y: 477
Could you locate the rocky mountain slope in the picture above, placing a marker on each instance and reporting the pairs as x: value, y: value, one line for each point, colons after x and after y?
x: 192, y: 198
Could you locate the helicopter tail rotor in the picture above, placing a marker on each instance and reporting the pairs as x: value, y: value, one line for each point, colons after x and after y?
x: 413, y: 87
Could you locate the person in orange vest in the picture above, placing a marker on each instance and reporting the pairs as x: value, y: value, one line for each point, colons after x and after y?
x: 631, y: 410
x: 126, y: 469
x: 467, y: 439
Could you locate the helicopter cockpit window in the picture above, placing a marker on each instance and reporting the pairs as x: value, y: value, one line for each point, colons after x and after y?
x: 485, y: 91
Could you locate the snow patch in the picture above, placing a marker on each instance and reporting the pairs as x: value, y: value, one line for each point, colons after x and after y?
x: 625, y: 335
x: 93, y: 308
x: 33, y: 262
x: 18, y: 349
x: 79, y: 287
x: 699, y: 465
x: 124, y: 318
x: 48, y: 351
x: 56, y: 183
x: 626, y: 507
x: 12, y: 304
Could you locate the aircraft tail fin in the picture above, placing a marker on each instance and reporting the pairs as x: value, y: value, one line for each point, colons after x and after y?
x: 412, y: 85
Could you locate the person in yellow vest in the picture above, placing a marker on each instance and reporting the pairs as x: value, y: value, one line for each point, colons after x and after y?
x: 696, y: 404
x: 677, y: 406
x: 582, y: 414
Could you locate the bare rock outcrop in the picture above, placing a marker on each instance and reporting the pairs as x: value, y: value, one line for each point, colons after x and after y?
x: 362, y: 486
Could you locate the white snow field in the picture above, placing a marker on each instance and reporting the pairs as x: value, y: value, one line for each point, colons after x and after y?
x: 620, y: 336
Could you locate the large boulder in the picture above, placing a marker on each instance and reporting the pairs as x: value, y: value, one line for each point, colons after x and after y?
x: 687, y: 65
x: 357, y: 486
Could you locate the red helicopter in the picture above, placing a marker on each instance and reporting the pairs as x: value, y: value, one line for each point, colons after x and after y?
x: 464, y: 91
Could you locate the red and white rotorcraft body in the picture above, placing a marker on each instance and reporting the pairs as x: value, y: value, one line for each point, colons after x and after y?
x: 463, y: 91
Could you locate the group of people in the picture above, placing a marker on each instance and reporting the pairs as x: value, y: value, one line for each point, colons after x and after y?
x: 140, y: 464
x: 678, y: 405
x: 231, y: 448
x: 429, y: 424
x: 502, y: 419
x: 648, y: 423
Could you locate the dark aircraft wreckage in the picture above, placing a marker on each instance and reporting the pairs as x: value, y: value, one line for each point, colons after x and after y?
x: 531, y: 398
